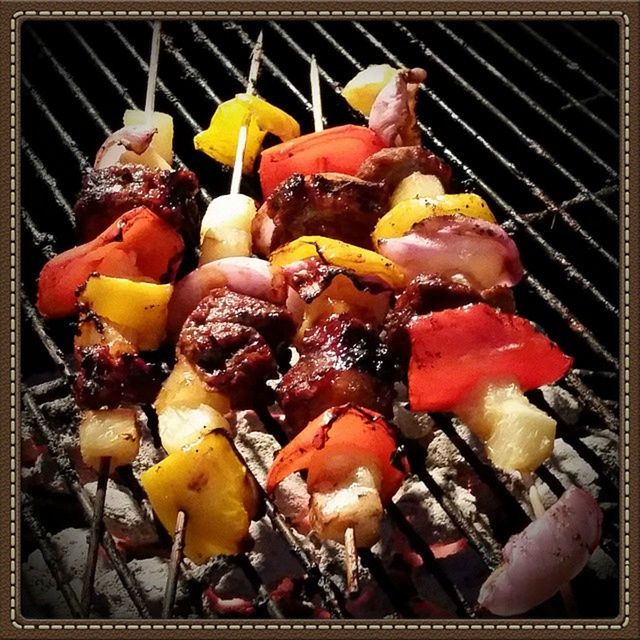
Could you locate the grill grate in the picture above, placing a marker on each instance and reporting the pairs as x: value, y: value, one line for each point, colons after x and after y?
x: 516, y: 147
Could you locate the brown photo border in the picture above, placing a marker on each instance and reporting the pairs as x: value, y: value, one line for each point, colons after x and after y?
x: 626, y: 14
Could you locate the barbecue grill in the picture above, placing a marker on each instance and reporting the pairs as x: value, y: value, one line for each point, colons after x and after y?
x: 525, y: 112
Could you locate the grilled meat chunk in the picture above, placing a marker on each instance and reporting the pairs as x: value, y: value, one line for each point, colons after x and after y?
x: 326, y: 204
x: 108, y: 193
x: 105, y: 379
x: 342, y: 360
x: 393, y: 164
x: 231, y: 340
x: 427, y: 293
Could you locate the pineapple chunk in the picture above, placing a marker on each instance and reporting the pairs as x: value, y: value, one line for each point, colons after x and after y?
x: 226, y: 227
x: 517, y: 435
x: 416, y: 185
x: 209, y: 483
x: 184, y: 388
x: 162, y: 143
x: 182, y: 426
x: 93, y: 330
x: 139, y: 307
x: 354, y: 502
x: 363, y: 89
x: 111, y: 433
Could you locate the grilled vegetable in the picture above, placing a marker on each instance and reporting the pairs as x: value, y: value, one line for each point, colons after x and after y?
x: 362, y: 90
x: 452, y: 245
x: 133, y: 140
x: 415, y: 186
x: 416, y: 208
x: 139, y: 307
x: 366, y: 265
x: 137, y: 245
x: 180, y: 426
x: 221, y: 138
x: 226, y: 227
x: 111, y: 433
x: 551, y: 551
x: 349, y: 453
x: 338, y: 150
x: 475, y: 361
x: 162, y: 143
x: 208, y: 482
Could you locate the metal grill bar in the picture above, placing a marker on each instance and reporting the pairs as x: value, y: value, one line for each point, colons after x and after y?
x: 549, y: 298
x: 531, y: 103
x: 548, y: 80
x: 71, y: 478
x: 590, y: 43
x: 49, y: 555
x: 571, y: 64
x: 518, y: 133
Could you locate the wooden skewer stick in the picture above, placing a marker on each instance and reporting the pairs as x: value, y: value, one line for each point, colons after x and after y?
x: 538, y: 509
x: 176, y: 558
x: 351, y: 560
x: 254, y: 69
x: 149, y: 103
x: 316, y: 98
x: 181, y: 520
x: 95, y: 536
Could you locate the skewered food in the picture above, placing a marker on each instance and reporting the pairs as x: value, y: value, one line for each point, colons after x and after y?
x: 452, y: 245
x: 249, y: 276
x: 137, y: 309
x: 162, y: 141
x: 208, y: 482
x: 139, y: 245
x: 111, y: 433
x: 363, y: 89
x: 221, y: 138
x: 552, y: 550
x: 335, y: 150
x: 353, y: 467
x: 391, y: 165
x: 331, y: 205
x: 414, y: 186
x: 475, y: 362
x: 342, y: 360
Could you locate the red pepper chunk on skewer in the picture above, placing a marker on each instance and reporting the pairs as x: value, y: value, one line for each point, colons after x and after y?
x: 353, y: 467
x: 335, y: 150
x: 138, y: 245
x: 475, y: 362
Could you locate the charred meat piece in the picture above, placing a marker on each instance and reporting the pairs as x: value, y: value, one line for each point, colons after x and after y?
x: 342, y: 360
x: 107, y: 380
x: 326, y: 204
x: 393, y: 164
x: 108, y: 193
x: 272, y: 322
x: 231, y: 340
x: 231, y: 358
x: 427, y: 293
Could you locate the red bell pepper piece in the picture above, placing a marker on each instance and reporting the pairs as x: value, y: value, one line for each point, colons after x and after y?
x: 346, y: 429
x: 138, y: 245
x: 338, y: 149
x: 455, y: 350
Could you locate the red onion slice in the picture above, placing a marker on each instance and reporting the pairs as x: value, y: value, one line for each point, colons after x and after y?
x: 136, y: 138
x: 480, y: 251
x: 551, y: 551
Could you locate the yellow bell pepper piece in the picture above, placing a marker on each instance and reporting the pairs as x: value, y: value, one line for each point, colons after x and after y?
x: 208, y: 483
x: 140, y: 307
x: 220, y: 140
x: 341, y: 254
x: 399, y: 220
x: 363, y: 89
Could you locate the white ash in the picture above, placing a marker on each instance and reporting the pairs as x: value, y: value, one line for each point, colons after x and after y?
x: 605, y: 444
x: 70, y: 546
x: 44, y: 472
x: 412, y: 425
x: 562, y: 402
x: 257, y: 447
x: 148, y: 453
x: 124, y: 517
x: 151, y: 575
x: 603, y: 565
